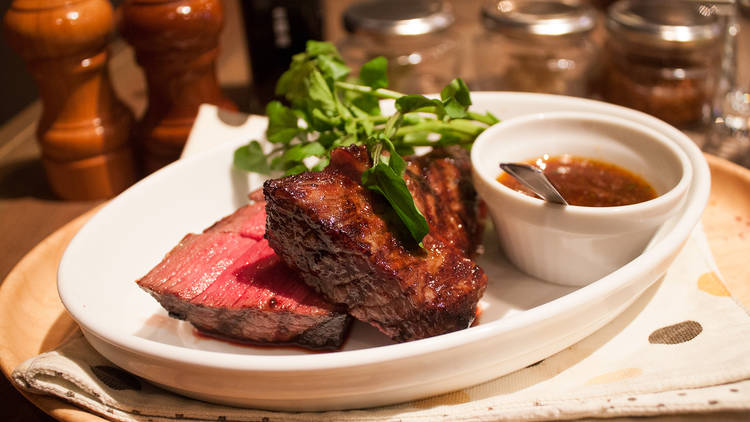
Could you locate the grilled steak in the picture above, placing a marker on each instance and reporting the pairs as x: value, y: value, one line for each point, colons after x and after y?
x: 441, y: 185
x: 347, y: 243
x: 229, y: 283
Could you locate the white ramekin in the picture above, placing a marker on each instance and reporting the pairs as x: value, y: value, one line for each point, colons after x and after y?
x: 575, y: 245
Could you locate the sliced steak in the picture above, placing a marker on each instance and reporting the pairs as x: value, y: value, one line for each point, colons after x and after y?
x: 441, y: 185
x: 229, y: 283
x: 347, y: 243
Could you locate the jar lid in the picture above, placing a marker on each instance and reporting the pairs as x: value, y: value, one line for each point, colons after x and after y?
x: 545, y: 18
x: 398, y: 17
x: 678, y: 24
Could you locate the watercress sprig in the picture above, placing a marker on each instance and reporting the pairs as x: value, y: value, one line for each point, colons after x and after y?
x: 327, y: 108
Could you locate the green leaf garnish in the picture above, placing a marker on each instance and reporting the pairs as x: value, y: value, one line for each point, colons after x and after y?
x: 282, y: 123
x: 375, y: 73
x: 329, y: 108
x: 299, y: 152
x: 456, y: 99
x: 251, y: 158
x: 414, y: 102
x: 383, y: 179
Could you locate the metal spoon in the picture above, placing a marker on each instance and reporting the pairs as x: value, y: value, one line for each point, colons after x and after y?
x: 534, y: 179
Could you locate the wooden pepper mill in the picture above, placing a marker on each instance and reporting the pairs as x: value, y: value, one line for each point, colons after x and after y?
x: 84, y: 129
x: 176, y: 43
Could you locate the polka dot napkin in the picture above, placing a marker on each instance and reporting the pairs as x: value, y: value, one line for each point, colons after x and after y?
x: 683, y: 346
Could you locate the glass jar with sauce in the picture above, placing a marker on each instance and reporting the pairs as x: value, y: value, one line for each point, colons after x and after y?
x: 413, y: 35
x: 663, y: 58
x: 537, y: 46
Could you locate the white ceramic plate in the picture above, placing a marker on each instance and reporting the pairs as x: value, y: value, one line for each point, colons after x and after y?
x: 524, y: 320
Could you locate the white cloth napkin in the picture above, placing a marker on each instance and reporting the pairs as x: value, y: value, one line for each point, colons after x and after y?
x: 683, y: 346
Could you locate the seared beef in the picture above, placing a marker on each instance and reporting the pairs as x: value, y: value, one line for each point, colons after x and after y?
x: 347, y: 243
x: 441, y: 185
x: 229, y: 283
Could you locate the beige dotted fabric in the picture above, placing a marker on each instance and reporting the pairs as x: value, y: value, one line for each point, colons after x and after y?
x: 614, y: 376
x: 711, y: 284
x: 676, y: 333
x: 682, y: 347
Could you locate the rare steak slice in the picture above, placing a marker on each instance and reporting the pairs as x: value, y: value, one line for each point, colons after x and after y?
x: 347, y: 243
x: 229, y: 283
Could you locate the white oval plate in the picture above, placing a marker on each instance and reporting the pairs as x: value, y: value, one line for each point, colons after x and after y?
x: 524, y: 320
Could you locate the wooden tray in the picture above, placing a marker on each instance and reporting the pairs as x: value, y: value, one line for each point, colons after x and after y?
x: 33, y: 320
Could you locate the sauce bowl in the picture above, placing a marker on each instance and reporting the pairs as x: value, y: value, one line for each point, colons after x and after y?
x: 575, y: 245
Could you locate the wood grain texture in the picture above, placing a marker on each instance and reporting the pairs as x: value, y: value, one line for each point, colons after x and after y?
x: 726, y: 221
x: 176, y: 44
x: 32, y: 319
x: 84, y: 129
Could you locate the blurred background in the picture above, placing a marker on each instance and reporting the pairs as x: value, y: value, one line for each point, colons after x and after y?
x: 517, y: 47
x: 324, y: 20
x: 684, y: 61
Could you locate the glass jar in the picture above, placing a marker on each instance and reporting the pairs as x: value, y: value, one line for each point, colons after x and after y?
x: 537, y: 46
x: 663, y: 58
x: 413, y: 35
x: 729, y: 135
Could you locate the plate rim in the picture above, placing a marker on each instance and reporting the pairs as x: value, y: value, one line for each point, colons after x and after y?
x: 691, y: 213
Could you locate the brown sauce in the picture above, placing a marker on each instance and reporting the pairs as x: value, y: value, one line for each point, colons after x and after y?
x: 588, y: 182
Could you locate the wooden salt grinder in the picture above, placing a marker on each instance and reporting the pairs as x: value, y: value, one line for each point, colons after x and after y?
x: 176, y: 43
x: 84, y: 129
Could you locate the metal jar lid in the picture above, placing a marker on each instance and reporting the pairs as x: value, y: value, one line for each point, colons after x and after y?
x: 398, y: 17
x: 538, y: 18
x: 666, y: 24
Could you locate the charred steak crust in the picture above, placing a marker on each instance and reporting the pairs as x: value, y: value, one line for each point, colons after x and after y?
x: 441, y: 184
x: 340, y: 238
x: 228, y: 283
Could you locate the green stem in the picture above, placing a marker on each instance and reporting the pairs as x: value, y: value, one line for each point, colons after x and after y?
x: 392, y: 125
x: 277, y: 149
x: 488, y: 120
x: 317, y: 114
x: 373, y: 119
x: 426, y: 143
x: 461, y: 126
x: 380, y: 92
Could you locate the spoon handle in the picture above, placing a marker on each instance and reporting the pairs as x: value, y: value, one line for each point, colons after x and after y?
x: 534, y: 179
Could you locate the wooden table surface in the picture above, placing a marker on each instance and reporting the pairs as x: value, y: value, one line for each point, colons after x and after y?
x: 28, y: 210
x: 28, y: 213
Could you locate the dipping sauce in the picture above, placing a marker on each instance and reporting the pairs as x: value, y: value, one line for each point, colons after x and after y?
x: 587, y: 182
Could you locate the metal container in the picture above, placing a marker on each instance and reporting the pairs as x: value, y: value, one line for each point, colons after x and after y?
x: 537, y: 46
x: 664, y: 58
x: 414, y: 36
